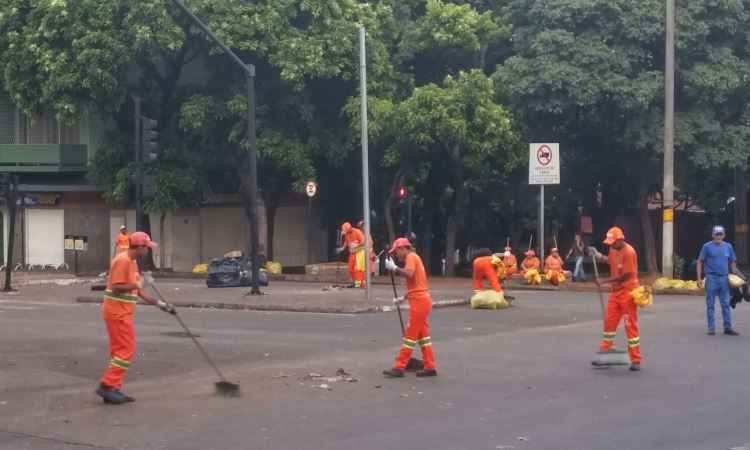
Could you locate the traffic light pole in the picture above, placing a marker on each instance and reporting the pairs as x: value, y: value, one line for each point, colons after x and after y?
x: 249, y: 71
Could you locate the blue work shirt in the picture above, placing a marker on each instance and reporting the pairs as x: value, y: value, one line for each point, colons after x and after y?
x: 716, y: 258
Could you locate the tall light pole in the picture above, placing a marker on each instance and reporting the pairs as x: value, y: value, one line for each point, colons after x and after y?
x: 667, y: 248
x: 365, y: 158
x: 249, y: 72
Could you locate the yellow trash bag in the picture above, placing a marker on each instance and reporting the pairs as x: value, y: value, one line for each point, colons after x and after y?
x: 533, y: 277
x: 661, y: 283
x: 273, y: 267
x: 692, y: 285
x: 735, y: 281
x: 677, y: 284
x: 642, y: 296
x: 200, y: 268
x: 488, y: 299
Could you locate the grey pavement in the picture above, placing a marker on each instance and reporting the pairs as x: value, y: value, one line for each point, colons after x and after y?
x: 512, y: 379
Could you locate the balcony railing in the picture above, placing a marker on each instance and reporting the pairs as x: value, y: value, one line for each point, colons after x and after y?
x: 40, y: 158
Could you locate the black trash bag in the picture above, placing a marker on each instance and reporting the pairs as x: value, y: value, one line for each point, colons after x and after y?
x: 233, y: 272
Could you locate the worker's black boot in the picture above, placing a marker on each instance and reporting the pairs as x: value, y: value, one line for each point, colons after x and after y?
x: 635, y: 367
x: 110, y: 395
x: 427, y: 373
x: 731, y: 332
x: 394, y: 373
x: 128, y: 399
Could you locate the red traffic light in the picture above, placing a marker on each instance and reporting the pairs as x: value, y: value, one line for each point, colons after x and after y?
x: 402, y: 192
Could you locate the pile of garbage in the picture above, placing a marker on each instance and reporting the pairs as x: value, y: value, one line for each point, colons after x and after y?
x: 489, y: 300
x: 663, y: 283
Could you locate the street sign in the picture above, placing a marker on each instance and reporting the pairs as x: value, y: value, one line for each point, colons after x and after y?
x: 311, y: 189
x: 544, y: 164
x: 69, y: 243
x: 81, y: 243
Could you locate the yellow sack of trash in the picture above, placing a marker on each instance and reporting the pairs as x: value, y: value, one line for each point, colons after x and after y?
x: 273, y: 267
x: 691, y: 285
x: 735, y: 281
x: 532, y: 277
x: 200, y: 269
x: 488, y: 299
x: 642, y: 296
x: 661, y: 283
x: 677, y: 284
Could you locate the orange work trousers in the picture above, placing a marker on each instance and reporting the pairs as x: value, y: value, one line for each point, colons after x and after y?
x: 621, y: 304
x: 417, y: 332
x: 357, y: 276
x: 121, y: 350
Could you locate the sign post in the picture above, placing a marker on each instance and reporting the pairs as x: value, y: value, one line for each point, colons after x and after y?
x: 76, y: 244
x: 310, y: 189
x: 544, y: 168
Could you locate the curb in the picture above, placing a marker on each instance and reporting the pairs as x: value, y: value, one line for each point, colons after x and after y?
x: 283, y: 308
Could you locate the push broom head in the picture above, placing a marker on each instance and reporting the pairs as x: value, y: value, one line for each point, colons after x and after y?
x: 227, y: 389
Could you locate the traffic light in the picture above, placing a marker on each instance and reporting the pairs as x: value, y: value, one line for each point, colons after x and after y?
x: 149, y: 138
x: 402, y: 192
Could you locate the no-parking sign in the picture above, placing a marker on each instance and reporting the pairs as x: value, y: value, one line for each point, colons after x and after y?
x: 544, y: 164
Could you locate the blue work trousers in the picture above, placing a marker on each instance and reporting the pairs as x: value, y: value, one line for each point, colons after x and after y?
x: 718, y: 286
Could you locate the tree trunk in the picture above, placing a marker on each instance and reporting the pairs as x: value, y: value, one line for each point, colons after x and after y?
x: 163, y: 247
x: 11, y: 200
x: 649, y: 240
x: 388, y: 212
x: 272, y: 205
x: 740, y: 217
x: 455, y: 218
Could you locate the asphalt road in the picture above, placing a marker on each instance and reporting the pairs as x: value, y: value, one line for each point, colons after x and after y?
x: 513, y: 379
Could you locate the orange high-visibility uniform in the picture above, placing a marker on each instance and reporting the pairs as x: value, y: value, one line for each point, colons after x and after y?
x: 511, y: 265
x: 122, y: 242
x: 354, y: 239
x: 117, y: 312
x: 530, y: 262
x: 621, y: 302
x: 420, y: 305
x: 483, y: 268
x: 553, y: 268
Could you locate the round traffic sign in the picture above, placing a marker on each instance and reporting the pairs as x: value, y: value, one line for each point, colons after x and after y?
x: 544, y: 155
x: 311, y: 188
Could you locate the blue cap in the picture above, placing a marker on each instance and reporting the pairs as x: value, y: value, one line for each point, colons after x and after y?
x: 718, y: 229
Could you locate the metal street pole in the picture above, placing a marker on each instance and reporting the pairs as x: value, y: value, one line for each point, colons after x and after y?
x: 139, y: 222
x: 249, y: 71
x: 541, y: 223
x: 309, y: 230
x: 365, y: 157
x: 667, y: 252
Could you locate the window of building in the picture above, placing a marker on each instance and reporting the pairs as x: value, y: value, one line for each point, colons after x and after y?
x: 19, y: 128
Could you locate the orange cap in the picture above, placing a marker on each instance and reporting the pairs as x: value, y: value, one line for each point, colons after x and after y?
x: 614, y: 234
x: 346, y: 227
x: 141, y: 239
x: 398, y: 243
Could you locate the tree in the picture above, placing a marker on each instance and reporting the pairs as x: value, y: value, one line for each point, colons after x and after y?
x: 450, y: 138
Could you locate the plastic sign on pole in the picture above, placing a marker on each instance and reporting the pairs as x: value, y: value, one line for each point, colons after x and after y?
x: 311, y: 189
x: 544, y: 164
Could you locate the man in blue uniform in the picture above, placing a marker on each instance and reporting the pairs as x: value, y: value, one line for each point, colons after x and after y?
x: 715, y: 260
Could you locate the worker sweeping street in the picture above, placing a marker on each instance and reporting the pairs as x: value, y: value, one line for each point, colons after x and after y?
x: 715, y: 260
x: 623, y: 265
x: 490, y: 268
x: 420, y: 305
x: 553, y: 268
x: 510, y: 262
x: 354, y: 241
x: 530, y: 267
x: 124, y: 288
x: 122, y: 242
